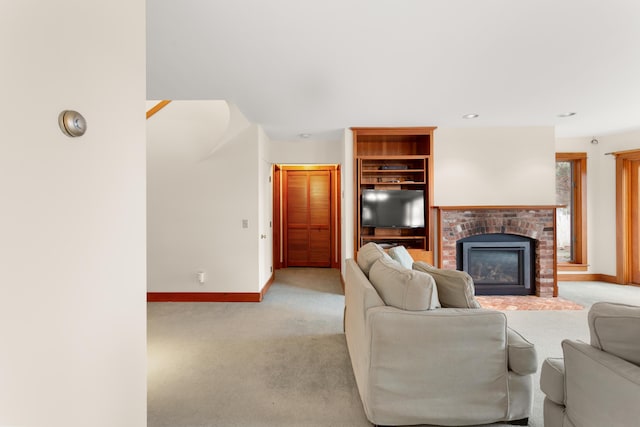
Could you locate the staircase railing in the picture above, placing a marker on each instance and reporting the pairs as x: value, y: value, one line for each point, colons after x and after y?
x: 159, y: 106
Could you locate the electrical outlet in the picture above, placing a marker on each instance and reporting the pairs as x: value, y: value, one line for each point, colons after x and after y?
x: 201, y: 277
x: 245, y: 223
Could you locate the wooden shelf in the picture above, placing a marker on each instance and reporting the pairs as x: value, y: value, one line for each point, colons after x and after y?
x: 405, y: 169
x: 399, y: 159
x: 409, y: 242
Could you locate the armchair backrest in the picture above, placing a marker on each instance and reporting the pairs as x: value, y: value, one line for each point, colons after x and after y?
x: 615, y: 329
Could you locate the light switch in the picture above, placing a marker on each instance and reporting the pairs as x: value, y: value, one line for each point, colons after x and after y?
x: 245, y: 223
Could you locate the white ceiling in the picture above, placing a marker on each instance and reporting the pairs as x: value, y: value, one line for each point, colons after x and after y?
x: 319, y: 66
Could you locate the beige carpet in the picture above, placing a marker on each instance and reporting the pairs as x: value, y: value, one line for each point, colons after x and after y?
x: 279, y: 363
x: 527, y: 302
x: 284, y: 362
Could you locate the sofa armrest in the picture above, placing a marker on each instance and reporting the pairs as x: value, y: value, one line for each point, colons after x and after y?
x: 600, y: 388
x: 523, y: 358
x: 359, y: 297
x: 552, y: 379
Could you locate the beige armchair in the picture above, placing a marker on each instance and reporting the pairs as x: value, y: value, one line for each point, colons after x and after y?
x: 597, y: 384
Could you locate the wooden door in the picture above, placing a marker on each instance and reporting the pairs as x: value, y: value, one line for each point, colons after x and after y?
x: 308, y: 218
x: 628, y: 217
x: 634, y: 223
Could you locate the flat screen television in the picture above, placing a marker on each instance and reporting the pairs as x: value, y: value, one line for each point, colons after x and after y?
x: 392, y: 208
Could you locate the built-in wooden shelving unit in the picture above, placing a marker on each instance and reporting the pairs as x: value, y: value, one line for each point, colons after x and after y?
x: 394, y: 159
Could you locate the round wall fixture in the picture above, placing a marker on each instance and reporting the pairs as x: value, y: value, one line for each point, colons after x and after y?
x: 72, y: 123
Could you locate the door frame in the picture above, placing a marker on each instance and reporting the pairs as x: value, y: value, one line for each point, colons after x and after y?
x: 279, y: 217
x: 623, y: 214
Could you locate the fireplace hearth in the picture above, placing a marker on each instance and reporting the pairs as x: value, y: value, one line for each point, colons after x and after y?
x: 500, y: 264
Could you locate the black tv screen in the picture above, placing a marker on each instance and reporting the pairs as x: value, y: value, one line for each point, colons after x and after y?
x: 392, y: 208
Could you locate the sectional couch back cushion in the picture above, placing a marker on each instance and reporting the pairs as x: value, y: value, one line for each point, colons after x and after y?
x: 400, y: 254
x: 368, y: 255
x: 455, y: 288
x: 615, y: 329
x: 403, y: 288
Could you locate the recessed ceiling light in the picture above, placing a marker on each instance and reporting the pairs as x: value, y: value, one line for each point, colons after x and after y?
x: 567, y: 114
x: 305, y: 135
x: 470, y: 116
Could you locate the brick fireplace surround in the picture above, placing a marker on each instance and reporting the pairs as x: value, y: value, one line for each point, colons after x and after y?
x: 536, y: 222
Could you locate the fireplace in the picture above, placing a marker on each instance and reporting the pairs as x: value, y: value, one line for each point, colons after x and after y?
x: 537, y: 223
x: 500, y: 264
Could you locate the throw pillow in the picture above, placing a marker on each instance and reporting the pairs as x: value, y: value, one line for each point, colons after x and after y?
x: 455, y: 288
x: 615, y: 329
x: 368, y: 254
x: 400, y: 254
x: 403, y: 288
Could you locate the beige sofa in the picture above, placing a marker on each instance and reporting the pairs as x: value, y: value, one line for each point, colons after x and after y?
x: 597, y: 384
x: 417, y: 363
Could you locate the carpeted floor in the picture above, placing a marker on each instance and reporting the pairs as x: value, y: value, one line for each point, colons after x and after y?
x: 281, y: 362
x: 284, y: 362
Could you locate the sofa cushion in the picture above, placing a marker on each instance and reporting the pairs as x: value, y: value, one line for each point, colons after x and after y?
x: 403, y: 288
x: 400, y: 254
x: 368, y: 255
x: 615, y: 329
x: 455, y: 288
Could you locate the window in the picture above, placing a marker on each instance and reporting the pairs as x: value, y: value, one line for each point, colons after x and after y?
x: 571, y: 220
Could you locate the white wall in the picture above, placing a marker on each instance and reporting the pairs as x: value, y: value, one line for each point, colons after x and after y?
x: 305, y: 152
x: 265, y: 214
x: 601, y: 197
x: 72, y: 221
x: 494, y: 166
x: 348, y: 195
x: 199, y: 193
